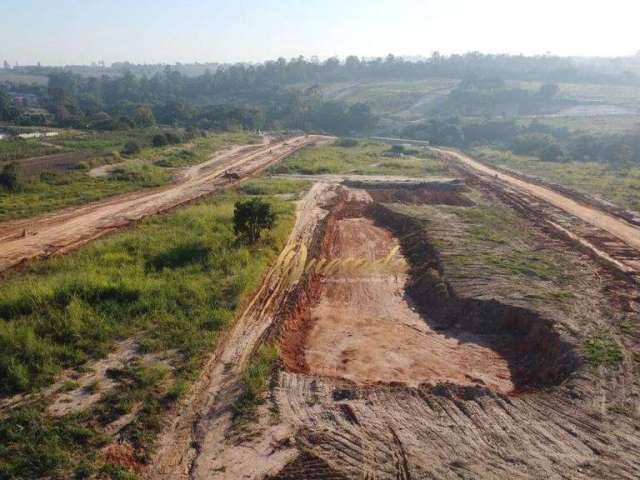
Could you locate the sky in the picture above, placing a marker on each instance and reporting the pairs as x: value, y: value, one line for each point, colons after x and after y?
x: 66, y: 32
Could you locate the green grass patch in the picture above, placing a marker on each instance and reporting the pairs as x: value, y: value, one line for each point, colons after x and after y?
x: 274, y: 186
x: 34, y: 445
x: 363, y: 159
x: 603, y: 351
x: 175, y: 282
x: 16, y: 149
x: 255, y: 382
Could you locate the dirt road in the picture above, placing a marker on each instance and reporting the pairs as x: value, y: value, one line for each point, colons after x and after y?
x: 62, y: 231
x: 615, y: 226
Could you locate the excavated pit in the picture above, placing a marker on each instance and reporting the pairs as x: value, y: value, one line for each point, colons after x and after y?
x: 399, y: 322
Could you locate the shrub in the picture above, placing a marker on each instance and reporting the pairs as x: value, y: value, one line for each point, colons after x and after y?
x: 347, y: 142
x: 159, y: 140
x: 10, y: 178
x: 131, y: 148
x: 251, y: 217
x: 172, y: 138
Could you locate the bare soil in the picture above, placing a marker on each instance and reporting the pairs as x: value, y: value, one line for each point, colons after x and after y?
x: 365, y: 328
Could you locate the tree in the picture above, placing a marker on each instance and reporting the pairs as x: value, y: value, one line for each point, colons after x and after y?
x: 251, y: 217
x: 144, y: 117
x: 8, y: 109
x: 173, y: 138
x: 548, y: 91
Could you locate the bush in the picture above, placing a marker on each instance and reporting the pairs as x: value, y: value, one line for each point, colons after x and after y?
x: 131, y: 148
x: 251, y: 217
x: 10, y: 177
x: 552, y: 153
x: 172, y: 138
x: 347, y: 142
x: 159, y: 140
x: 193, y: 132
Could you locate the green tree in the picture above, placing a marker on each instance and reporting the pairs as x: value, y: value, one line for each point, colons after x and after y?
x: 144, y: 117
x: 8, y: 109
x: 251, y: 217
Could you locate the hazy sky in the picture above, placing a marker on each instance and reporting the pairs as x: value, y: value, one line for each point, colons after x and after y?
x: 83, y: 31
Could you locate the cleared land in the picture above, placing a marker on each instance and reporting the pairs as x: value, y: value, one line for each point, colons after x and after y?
x: 64, y: 179
x: 488, y: 346
x: 519, y: 316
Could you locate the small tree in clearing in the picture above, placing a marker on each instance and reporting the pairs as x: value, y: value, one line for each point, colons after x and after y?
x: 251, y: 217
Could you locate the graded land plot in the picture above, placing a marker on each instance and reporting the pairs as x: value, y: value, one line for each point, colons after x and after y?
x: 482, y: 277
x: 98, y: 346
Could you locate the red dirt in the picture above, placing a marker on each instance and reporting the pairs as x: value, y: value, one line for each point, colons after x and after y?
x: 365, y: 330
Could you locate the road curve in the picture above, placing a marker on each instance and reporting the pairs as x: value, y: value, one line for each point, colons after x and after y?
x: 617, y: 227
x: 59, y: 232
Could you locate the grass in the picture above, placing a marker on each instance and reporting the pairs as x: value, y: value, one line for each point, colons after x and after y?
x: 174, y: 282
x: 274, y: 186
x: 151, y: 168
x: 33, y: 445
x: 392, y: 98
x: 603, y: 351
x: 364, y: 159
x: 12, y: 149
x: 620, y: 186
x: 180, y: 277
x: 255, y: 382
x: 491, y: 242
x: 56, y: 191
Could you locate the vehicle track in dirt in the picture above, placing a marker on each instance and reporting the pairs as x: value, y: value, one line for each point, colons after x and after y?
x: 60, y: 232
x: 606, y: 236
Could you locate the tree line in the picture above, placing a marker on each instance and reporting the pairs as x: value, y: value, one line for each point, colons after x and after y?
x: 171, y: 98
x: 536, y: 139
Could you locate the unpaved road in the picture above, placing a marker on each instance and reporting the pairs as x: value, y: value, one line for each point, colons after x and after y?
x: 615, y: 226
x: 62, y: 231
